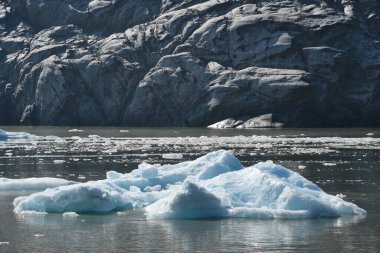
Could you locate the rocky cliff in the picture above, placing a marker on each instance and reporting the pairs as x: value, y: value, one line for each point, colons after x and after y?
x: 307, y: 63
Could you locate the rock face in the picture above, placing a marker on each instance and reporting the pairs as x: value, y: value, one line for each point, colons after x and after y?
x: 308, y: 63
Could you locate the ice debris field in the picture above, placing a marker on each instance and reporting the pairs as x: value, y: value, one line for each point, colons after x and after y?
x: 213, y: 186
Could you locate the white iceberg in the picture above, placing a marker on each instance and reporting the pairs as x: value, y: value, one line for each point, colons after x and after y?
x: 70, y: 215
x: 172, y: 156
x: 212, y: 186
x: 4, y: 135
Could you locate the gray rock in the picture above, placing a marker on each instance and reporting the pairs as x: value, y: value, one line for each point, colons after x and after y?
x: 190, y: 63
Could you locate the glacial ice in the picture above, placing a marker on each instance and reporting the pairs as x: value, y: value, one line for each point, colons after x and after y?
x: 212, y: 186
x: 172, y: 156
x: 70, y: 215
x: 4, y: 135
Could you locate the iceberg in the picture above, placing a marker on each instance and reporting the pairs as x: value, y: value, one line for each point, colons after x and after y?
x: 70, y: 215
x: 14, y: 135
x: 213, y: 186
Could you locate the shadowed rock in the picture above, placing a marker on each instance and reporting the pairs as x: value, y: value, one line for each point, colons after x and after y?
x: 189, y: 63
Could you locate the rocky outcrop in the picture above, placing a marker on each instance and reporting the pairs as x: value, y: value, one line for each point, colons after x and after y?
x: 189, y: 63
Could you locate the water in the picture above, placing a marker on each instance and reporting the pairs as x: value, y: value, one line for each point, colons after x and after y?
x: 339, y: 160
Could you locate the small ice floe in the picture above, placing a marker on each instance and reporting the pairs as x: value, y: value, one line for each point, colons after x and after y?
x: 370, y: 134
x: 172, y: 156
x: 301, y: 167
x: 109, y: 151
x: 75, y: 130
x: 124, y: 131
x: 39, y: 235
x: 59, y: 161
x: 70, y: 215
x: 329, y: 164
x: 121, y: 213
x: 4, y: 243
x: 81, y: 177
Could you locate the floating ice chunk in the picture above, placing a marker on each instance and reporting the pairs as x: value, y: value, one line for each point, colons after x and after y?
x: 329, y: 164
x: 70, y: 215
x: 4, y: 243
x: 75, y: 130
x: 39, y: 235
x: 124, y: 131
x: 172, y: 156
x: 59, y: 161
x: 215, y: 185
x: 370, y: 134
x: 31, y: 184
x: 15, y: 135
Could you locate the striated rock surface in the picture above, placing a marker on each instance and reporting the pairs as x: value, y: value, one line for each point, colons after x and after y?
x: 190, y: 63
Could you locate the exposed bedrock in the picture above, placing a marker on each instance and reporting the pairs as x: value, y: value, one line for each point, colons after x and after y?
x: 307, y: 63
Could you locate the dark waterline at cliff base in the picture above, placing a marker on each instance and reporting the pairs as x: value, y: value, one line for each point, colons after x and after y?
x: 342, y: 161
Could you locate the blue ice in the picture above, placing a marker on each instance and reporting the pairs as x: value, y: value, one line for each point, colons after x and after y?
x: 213, y: 186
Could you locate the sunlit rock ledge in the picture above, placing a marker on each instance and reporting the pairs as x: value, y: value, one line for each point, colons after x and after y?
x: 189, y: 63
x: 213, y: 186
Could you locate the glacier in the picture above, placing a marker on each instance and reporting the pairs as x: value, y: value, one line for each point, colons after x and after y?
x: 215, y: 185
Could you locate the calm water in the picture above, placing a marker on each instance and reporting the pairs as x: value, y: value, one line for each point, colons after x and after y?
x: 343, y: 161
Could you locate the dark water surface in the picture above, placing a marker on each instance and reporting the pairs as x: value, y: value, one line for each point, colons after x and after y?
x: 343, y: 161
